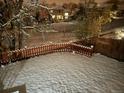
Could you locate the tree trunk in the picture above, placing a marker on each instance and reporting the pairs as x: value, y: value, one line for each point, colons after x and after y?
x: 20, y: 39
x: 0, y: 46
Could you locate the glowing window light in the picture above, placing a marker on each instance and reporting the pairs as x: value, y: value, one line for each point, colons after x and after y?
x: 66, y: 15
x: 53, y: 16
x: 59, y: 17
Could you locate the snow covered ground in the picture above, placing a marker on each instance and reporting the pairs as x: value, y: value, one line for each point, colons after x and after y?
x: 72, y: 73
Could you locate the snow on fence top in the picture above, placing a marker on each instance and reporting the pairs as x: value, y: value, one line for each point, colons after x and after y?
x: 17, y: 55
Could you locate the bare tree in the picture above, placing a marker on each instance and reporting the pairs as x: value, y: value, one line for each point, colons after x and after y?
x: 93, y: 19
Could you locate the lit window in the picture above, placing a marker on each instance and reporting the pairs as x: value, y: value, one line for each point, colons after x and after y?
x: 53, y: 16
x: 66, y: 15
x: 59, y: 17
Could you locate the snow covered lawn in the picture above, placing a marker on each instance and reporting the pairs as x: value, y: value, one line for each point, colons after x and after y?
x: 72, y: 73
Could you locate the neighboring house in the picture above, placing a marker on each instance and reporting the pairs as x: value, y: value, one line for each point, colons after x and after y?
x: 59, y: 14
x: 40, y: 12
x: 44, y: 14
x: 55, y: 13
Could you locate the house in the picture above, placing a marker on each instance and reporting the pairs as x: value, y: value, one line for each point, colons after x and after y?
x: 39, y: 12
x: 44, y: 14
x: 59, y: 14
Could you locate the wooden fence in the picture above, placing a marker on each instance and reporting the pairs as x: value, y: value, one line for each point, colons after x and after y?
x: 17, y: 89
x: 113, y: 48
x: 13, y: 56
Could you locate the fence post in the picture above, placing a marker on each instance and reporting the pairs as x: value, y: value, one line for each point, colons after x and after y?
x: 44, y: 48
x: 24, y: 51
x: 75, y: 48
x: 47, y: 46
x: 86, y: 51
x: 5, y: 58
x: 36, y: 51
x: 92, y: 47
x: 20, y: 54
x: 65, y: 50
x: 59, y: 47
x: 41, y: 50
x: 27, y: 52
x: 62, y: 47
x: 54, y: 47
x: 31, y: 52
x: 65, y: 47
x: 79, y: 50
x: 14, y: 55
x: 17, y: 54
x: 50, y: 50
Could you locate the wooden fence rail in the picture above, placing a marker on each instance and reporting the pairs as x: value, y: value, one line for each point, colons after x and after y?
x: 17, y: 89
x: 13, y: 56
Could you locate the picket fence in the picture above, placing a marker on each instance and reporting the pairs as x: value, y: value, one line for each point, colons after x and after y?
x: 25, y: 53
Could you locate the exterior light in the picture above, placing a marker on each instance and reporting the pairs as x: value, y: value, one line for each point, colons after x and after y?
x: 66, y: 15
x: 119, y: 34
x: 114, y: 15
x: 122, y: 35
x: 91, y: 46
x: 53, y: 16
x: 98, y: 5
x: 25, y: 46
x: 59, y: 17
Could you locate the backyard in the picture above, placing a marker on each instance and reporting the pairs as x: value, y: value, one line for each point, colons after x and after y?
x: 71, y: 73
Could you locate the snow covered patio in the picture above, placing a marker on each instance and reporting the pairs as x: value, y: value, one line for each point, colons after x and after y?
x: 72, y: 73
